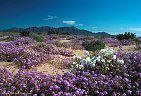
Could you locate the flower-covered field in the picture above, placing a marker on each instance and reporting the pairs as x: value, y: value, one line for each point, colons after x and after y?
x: 60, y: 66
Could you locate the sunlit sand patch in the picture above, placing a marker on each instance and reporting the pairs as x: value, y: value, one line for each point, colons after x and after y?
x: 62, y: 41
x: 124, y: 48
x: 10, y: 66
x: 50, y: 69
x: 79, y: 53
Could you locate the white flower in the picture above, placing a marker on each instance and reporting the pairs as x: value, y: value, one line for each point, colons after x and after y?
x: 107, y: 52
x: 74, y: 62
x: 114, y: 57
x: 103, y: 60
x: 87, y: 53
x: 109, y: 61
x: 77, y: 57
x: 88, y: 59
x: 81, y: 66
x: 77, y: 65
x: 93, y: 63
x: 102, y: 50
x: 120, y: 61
x: 98, y: 58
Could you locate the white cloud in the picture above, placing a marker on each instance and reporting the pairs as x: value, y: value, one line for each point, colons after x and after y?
x: 69, y: 22
x: 135, y: 29
x: 50, y: 17
x: 79, y: 25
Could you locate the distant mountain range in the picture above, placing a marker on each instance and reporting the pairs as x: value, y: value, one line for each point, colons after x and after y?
x: 63, y: 30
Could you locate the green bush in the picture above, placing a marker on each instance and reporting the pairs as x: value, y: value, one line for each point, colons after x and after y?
x: 126, y: 35
x: 24, y: 33
x: 38, y: 38
x: 9, y: 38
x: 53, y: 32
x: 93, y: 45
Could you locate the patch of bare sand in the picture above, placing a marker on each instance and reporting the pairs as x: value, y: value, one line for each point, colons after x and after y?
x: 9, y: 66
x: 44, y: 68
x: 50, y: 69
x: 62, y: 41
x: 79, y: 53
x: 124, y: 48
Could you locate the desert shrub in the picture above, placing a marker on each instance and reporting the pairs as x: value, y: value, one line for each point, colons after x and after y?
x: 10, y: 38
x: 50, y: 32
x: 93, y: 45
x: 126, y: 35
x: 39, y: 38
x: 24, y: 33
x: 7, y: 38
x: 62, y: 44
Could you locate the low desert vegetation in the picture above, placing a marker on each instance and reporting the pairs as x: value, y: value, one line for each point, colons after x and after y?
x: 101, y: 71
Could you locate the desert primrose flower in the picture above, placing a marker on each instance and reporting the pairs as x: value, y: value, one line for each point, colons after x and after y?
x: 107, y: 52
x: 120, y: 61
x: 114, y: 57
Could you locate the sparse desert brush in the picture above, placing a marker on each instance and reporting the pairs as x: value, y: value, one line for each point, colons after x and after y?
x: 24, y: 33
x: 93, y: 45
x: 62, y: 44
x: 126, y: 35
x: 39, y: 38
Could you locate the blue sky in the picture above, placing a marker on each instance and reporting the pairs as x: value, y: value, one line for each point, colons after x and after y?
x: 112, y: 16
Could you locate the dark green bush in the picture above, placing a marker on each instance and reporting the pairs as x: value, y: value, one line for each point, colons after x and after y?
x: 93, y: 45
x: 53, y: 32
x: 24, y: 33
x: 126, y: 35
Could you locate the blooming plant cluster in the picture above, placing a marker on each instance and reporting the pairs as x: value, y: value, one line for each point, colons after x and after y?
x: 108, y: 73
x: 23, y: 41
x: 92, y: 82
x: 116, y: 42
x: 30, y: 60
x: 50, y: 49
x: 15, y: 51
x: 9, y: 51
x: 105, y: 59
x: 112, y: 41
x: 51, y: 39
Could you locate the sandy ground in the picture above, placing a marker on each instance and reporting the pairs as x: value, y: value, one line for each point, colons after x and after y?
x: 62, y: 41
x: 79, y: 53
x: 45, y: 68
x: 11, y: 67
x: 124, y: 48
x: 49, y: 69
